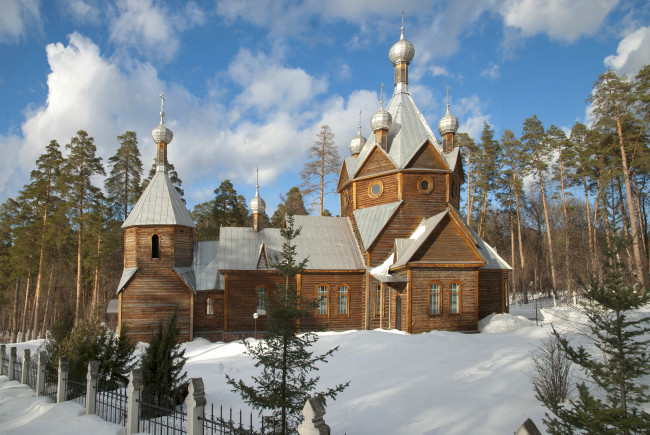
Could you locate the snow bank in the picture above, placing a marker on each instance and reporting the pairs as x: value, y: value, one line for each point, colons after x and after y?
x: 500, y: 323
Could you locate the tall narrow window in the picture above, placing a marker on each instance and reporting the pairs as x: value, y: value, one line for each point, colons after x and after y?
x: 155, y: 246
x: 321, y: 301
x: 454, y: 298
x: 209, y: 307
x: 378, y: 300
x: 261, y: 300
x: 342, y: 300
x: 434, y: 298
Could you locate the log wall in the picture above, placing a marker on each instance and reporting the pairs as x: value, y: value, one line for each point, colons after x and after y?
x: 491, y: 292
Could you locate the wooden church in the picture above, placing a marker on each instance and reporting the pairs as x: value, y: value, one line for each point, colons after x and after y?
x: 399, y: 257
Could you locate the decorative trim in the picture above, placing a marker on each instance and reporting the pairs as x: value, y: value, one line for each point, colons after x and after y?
x: 429, y: 185
x: 371, y: 188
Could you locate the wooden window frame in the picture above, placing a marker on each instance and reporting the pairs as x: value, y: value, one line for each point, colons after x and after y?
x: 427, y: 179
x: 155, y: 246
x: 209, y: 307
x: 378, y: 306
x: 346, y: 198
x: 347, y: 300
x: 257, y: 299
x: 327, y: 301
x: 381, y: 188
x: 429, y: 295
x: 460, y: 292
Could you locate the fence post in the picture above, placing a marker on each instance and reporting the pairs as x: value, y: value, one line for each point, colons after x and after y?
x: 3, y: 352
x: 313, y: 423
x: 195, y: 403
x: 63, y: 380
x: 12, y: 361
x: 92, y: 376
x: 40, y: 373
x: 24, y: 377
x: 134, y: 391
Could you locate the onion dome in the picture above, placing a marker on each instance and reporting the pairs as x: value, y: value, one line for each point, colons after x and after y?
x: 162, y: 134
x: 258, y: 206
x: 381, y: 120
x: 357, y: 143
x: 402, y: 50
x: 448, y: 123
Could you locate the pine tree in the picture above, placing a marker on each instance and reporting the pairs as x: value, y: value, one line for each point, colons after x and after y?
x: 229, y: 208
x: 284, y: 355
x: 487, y: 170
x: 616, y: 367
x: 292, y: 204
x: 123, y: 185
x: 163, y: 379
x: 322, y: 166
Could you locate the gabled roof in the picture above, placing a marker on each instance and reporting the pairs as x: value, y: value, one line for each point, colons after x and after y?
x: 420, y: 235
x: 206, y: 269
x: 187, y: 275
x: 372, y: 220
x: 160, y: 204
x: 492, y: 259
x: 127, y: 274
x: 239, y: 247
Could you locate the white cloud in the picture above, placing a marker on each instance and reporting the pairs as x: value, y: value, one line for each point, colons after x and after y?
x: 491, y: 71
x: 564, y: 20
x: 471, y: 116
x: 84, y: 11
x: 151, y: 29
x: 439, y: 71
x: 17, y: 17
x: 632, y: 54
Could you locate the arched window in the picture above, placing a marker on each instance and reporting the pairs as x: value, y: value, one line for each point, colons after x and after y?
x: 155, y: 246
x: 454, y: 298
x: 261, y: 300
x: 322, y: 298
x: 209, y: 307
x: 434, y: 298
x: 342, y: 300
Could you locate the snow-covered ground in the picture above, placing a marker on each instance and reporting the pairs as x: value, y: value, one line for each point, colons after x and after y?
x: 432, y: 383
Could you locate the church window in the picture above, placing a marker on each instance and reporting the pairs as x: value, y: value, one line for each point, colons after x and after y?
x: 261, y: 300
x: 342, y: 306
x: 454, y: 298
x: 346, y: 198
x: 321, y: 300
x: 209, y: 307
x: 434, y: 298
x: 376, y: 189
x: 378, y: 300
x: 425, y: 185
x: 155, y: 246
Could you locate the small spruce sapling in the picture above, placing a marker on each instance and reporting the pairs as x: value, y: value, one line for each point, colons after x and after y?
x: 284, y: 353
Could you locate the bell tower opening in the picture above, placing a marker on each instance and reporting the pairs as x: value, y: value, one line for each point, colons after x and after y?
x: 155, y: 246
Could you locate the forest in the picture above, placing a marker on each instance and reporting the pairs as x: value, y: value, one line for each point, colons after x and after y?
x: 553, y: 202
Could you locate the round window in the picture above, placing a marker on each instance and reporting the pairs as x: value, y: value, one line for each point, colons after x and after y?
x: 425, y: 185
x: 376, y: 189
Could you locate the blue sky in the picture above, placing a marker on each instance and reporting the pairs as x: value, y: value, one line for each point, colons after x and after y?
x: 250, y: 82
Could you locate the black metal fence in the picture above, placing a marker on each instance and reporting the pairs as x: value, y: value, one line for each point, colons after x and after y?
x: 158, y: 420
x: 5, y: 363
x: 33, y: 372
x: 112, y: 405
x: 51, y: 383
x: 18, y: 370
x: 76, y: 388
x: 220, y: 425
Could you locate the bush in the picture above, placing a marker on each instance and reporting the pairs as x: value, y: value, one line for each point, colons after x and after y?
x: 551, y: 373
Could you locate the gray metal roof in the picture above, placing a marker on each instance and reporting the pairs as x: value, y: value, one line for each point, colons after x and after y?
x: 406, y: 136
x: 113, y: 306
x: 328, y: 242
x: 489, y: 254
x: 127, y: 273
x: 409, y: 248
x: 206, y: 268
x: 372, y: 220
x: 187, y: 275
x: 160, y: 204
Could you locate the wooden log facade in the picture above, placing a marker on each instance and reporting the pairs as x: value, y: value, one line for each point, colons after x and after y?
x: 401, y: 256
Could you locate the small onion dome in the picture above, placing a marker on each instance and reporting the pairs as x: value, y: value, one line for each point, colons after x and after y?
x: 381, y: 120
x: 357, y: 143
x: 401, y: 51
x: 162, y: 133
x: 258, y: 206
x: 448, y: 123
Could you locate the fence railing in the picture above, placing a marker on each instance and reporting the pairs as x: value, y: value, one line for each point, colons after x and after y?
x: 125, y: 405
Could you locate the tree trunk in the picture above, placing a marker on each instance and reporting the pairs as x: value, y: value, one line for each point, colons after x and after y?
x: 639, y: 255
x: 469, y: 188
x: 521, y: 246
x: 591, y: 244
x: 95, y: 296
x: 23, y: 323
x: 566, y: 234
x: 548, y: 227
x: 77, y: 311
x: 481, y: 225
x: 512, y: 244
x: 642, y: 226
x: 14, y: 323
x: 48, y: 303
x: 322, y: 179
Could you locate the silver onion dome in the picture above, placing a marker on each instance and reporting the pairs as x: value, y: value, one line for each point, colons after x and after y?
x: 401, y: 51
x: 258, y: 206
x: 357, y: 143
x: 162, y: 134
x: 448, y: 123
x: 381, y: 120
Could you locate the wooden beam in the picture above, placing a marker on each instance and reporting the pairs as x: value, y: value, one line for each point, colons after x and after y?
x: 400, y: 185
x: 477, y: 292
x: 354, y: 195
x: 409, y: 296
x: 191, y: 316
x: 225, y: 302
x: 119, y: 312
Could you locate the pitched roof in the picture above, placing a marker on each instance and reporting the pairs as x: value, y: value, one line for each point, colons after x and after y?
x: 127, y: 274
x: 372, y: 220
x: 419, y: 236
x: 239, y: 247
x: 206, y: 268
x: 188, y: 277
x: 160, y: 204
